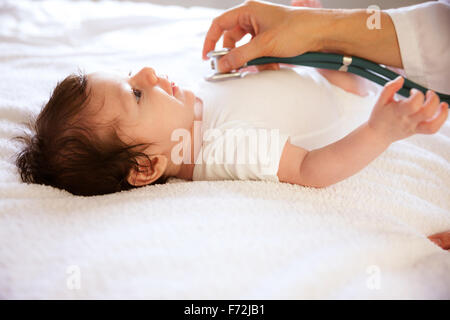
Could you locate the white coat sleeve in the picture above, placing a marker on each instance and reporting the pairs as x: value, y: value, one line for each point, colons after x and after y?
x: 423, y: 33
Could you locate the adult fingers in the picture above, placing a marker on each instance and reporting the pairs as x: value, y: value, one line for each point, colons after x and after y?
x: 433, y: 126
x: 226, y: 21
x: 237, y: 57
x: 232, y: 36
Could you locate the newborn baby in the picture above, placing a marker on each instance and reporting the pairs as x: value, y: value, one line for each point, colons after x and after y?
x: 102, y: 133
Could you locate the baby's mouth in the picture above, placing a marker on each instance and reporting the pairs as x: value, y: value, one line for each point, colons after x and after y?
x: 174, y: 87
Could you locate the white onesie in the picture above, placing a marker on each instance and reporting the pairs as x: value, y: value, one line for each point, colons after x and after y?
x: 269, y: 107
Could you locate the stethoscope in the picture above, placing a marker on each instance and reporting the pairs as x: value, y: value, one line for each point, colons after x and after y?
x: 362, y: 67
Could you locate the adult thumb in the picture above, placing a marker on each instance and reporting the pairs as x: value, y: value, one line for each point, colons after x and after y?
x: 238, y: 56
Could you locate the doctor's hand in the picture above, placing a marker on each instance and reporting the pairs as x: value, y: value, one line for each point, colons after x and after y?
x: 275, y: 31
x: 287, y: 31
x: 394, y: 120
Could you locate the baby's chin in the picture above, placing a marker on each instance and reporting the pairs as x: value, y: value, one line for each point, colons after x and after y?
x: 198, y: 100
x: 198, y: 108
x: 195, y: 98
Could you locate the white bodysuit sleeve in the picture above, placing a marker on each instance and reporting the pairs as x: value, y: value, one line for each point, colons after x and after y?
x: 423, y: 33
x: 237, y: 150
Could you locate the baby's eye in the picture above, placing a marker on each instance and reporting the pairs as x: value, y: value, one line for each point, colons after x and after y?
x: 137, y: 93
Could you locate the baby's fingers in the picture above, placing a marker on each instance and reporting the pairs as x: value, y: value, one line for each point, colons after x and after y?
x: 389, y: 90
x: 412, y: 104
x: 441, y: 239
x: 429, y: 109
x: 433, y: 126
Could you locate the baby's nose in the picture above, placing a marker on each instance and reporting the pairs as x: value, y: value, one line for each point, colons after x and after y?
x: 149, y: 73
x: 165, y: 83
x: 164, y: 76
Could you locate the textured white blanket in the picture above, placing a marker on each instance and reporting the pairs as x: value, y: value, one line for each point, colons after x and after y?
x: 365, y: 237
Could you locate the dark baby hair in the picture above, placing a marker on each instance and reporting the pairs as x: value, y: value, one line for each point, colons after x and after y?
x: 65, y: 151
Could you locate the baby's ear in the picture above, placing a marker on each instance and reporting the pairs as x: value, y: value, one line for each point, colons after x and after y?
x: 148, y: 171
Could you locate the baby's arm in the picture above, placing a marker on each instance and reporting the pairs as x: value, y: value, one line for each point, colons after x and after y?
x: 332, y: 163
x: 390, y: 121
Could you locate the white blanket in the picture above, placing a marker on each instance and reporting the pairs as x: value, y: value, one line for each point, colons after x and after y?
x: 365, y: 237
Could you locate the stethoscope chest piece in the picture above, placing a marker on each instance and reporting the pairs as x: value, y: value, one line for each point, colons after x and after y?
x: 218, y: 76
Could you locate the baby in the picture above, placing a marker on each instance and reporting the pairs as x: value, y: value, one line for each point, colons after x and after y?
x: 102, y: 133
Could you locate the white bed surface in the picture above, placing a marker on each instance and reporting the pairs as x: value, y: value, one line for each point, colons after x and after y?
x: 365, y: 237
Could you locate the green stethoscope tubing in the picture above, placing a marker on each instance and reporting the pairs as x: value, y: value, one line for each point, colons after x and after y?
x: 359, y: 66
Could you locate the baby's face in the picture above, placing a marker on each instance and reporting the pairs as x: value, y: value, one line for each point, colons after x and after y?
x: 149, y: 108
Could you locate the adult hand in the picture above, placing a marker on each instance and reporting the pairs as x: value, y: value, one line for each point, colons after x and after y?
x: 283, y: 31
x: 275, y: 30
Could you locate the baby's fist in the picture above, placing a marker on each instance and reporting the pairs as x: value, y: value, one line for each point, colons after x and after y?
x: 395, y: 120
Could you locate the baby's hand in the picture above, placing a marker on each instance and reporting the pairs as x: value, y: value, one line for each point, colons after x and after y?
x: 441, y: 239
x: 395, y: 120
